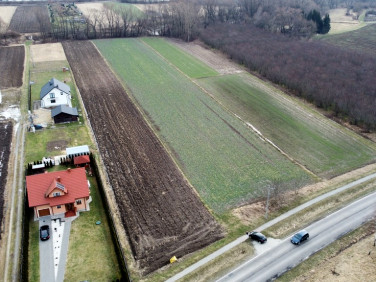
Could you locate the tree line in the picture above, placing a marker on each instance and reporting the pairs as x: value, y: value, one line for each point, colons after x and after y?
x: 338, y: 80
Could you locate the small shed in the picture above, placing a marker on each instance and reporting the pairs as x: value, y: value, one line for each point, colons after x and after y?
x: 81, y: 160
x: 77, y: 151
x: 63, y: 113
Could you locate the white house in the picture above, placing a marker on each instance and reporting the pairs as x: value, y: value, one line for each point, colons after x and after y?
x: 55, y: 93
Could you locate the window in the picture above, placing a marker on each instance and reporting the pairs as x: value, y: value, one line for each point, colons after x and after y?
x: 53, y: 101
x: 52, y: 95
x: 59, y: 206
x: 56, y: 194
x: 61, y: 93
x: 78, y: 202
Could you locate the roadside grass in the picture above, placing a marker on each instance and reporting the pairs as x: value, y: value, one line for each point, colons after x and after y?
x: 91, y: 254
x: 186, y: 63
x: 316, y: 142
x: 285, y: 228
x: 362, y: 40
x: 34, y: 274
x: 320, y: 210
x: 325, y: 255
x: 225, y: 161
x: 36, y: 143
x: 222, y: 264
x: 226, y: 261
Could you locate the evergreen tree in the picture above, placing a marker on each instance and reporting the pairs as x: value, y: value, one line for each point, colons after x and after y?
x: 326, y: 24
x: 316, y: 17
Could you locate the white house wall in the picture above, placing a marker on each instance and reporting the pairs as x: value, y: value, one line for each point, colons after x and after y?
x: 61, y: 98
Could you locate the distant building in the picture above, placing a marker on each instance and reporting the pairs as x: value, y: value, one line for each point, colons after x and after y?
x: 55, y: 93
x: 63, y: 113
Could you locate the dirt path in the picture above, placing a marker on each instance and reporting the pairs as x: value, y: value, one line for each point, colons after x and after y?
x: 211, y: 57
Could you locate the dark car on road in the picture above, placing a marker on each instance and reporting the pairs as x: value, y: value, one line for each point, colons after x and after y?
x: 299, y: 237
x: 257, y: 236
x: 44, y: 232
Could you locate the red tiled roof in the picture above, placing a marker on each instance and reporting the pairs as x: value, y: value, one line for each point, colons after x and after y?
x: 74, y: 180
x: 56, y: 184
x: 82, y: 159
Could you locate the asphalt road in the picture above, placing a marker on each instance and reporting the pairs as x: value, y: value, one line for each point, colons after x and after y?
x: 285, y: 256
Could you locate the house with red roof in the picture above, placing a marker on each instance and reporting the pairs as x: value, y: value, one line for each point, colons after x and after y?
x: 58, y: 194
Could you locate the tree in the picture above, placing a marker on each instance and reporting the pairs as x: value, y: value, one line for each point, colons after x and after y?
x: 315, y: 16
x: 326, y: 24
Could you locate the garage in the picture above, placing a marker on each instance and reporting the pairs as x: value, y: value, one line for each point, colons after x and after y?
x: 44, y: 212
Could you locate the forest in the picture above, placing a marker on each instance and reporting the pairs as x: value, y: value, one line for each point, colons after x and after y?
x: 334, y: 79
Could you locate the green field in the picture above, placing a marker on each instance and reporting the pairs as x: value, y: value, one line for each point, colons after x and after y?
x: 225, y: 161
x: 183, y: 61
x: 362, y: 40
x: 316, y: 142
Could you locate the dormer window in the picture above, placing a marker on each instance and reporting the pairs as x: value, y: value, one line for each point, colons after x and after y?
x: 56, y: 194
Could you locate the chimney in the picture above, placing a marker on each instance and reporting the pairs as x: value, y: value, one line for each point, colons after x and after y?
x: 68, y: 169
x: 58, y: 179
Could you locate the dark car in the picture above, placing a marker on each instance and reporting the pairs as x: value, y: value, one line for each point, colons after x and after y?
x: 257, y: 236
x: 44, y: 232
x: 299, y: 237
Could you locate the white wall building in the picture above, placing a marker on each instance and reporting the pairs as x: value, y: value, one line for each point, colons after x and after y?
x: 55, y: 93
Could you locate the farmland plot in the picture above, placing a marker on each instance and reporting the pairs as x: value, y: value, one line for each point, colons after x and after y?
x: 6, y: 14
x: 6, y: 128
x: 12, y: 66
x: 316, y: 142
x: 224, y: 160
x: 186, y: 63
x: 161, y: 213
x: 321, y: 145
x: 30, y: 19
x: 362, y: 40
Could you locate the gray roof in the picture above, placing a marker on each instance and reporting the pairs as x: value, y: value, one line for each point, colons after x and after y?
x: 54, y: 83
x: 64, y: 109
x: 77, y: 150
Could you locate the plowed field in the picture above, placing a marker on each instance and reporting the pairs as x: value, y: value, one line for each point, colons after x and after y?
x: 11, y: 66
x: 161, y: 213
x: 28, y: 19
x: 5, y: 141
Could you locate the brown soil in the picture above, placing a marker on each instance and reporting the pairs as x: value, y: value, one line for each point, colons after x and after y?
x: 6, y: 129
x: 11, y: 66
x: 27, y: 18
x: 160, y: 211
x: 56, y: 145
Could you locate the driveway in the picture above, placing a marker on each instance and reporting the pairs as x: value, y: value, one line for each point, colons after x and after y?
x: 53, y: 252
